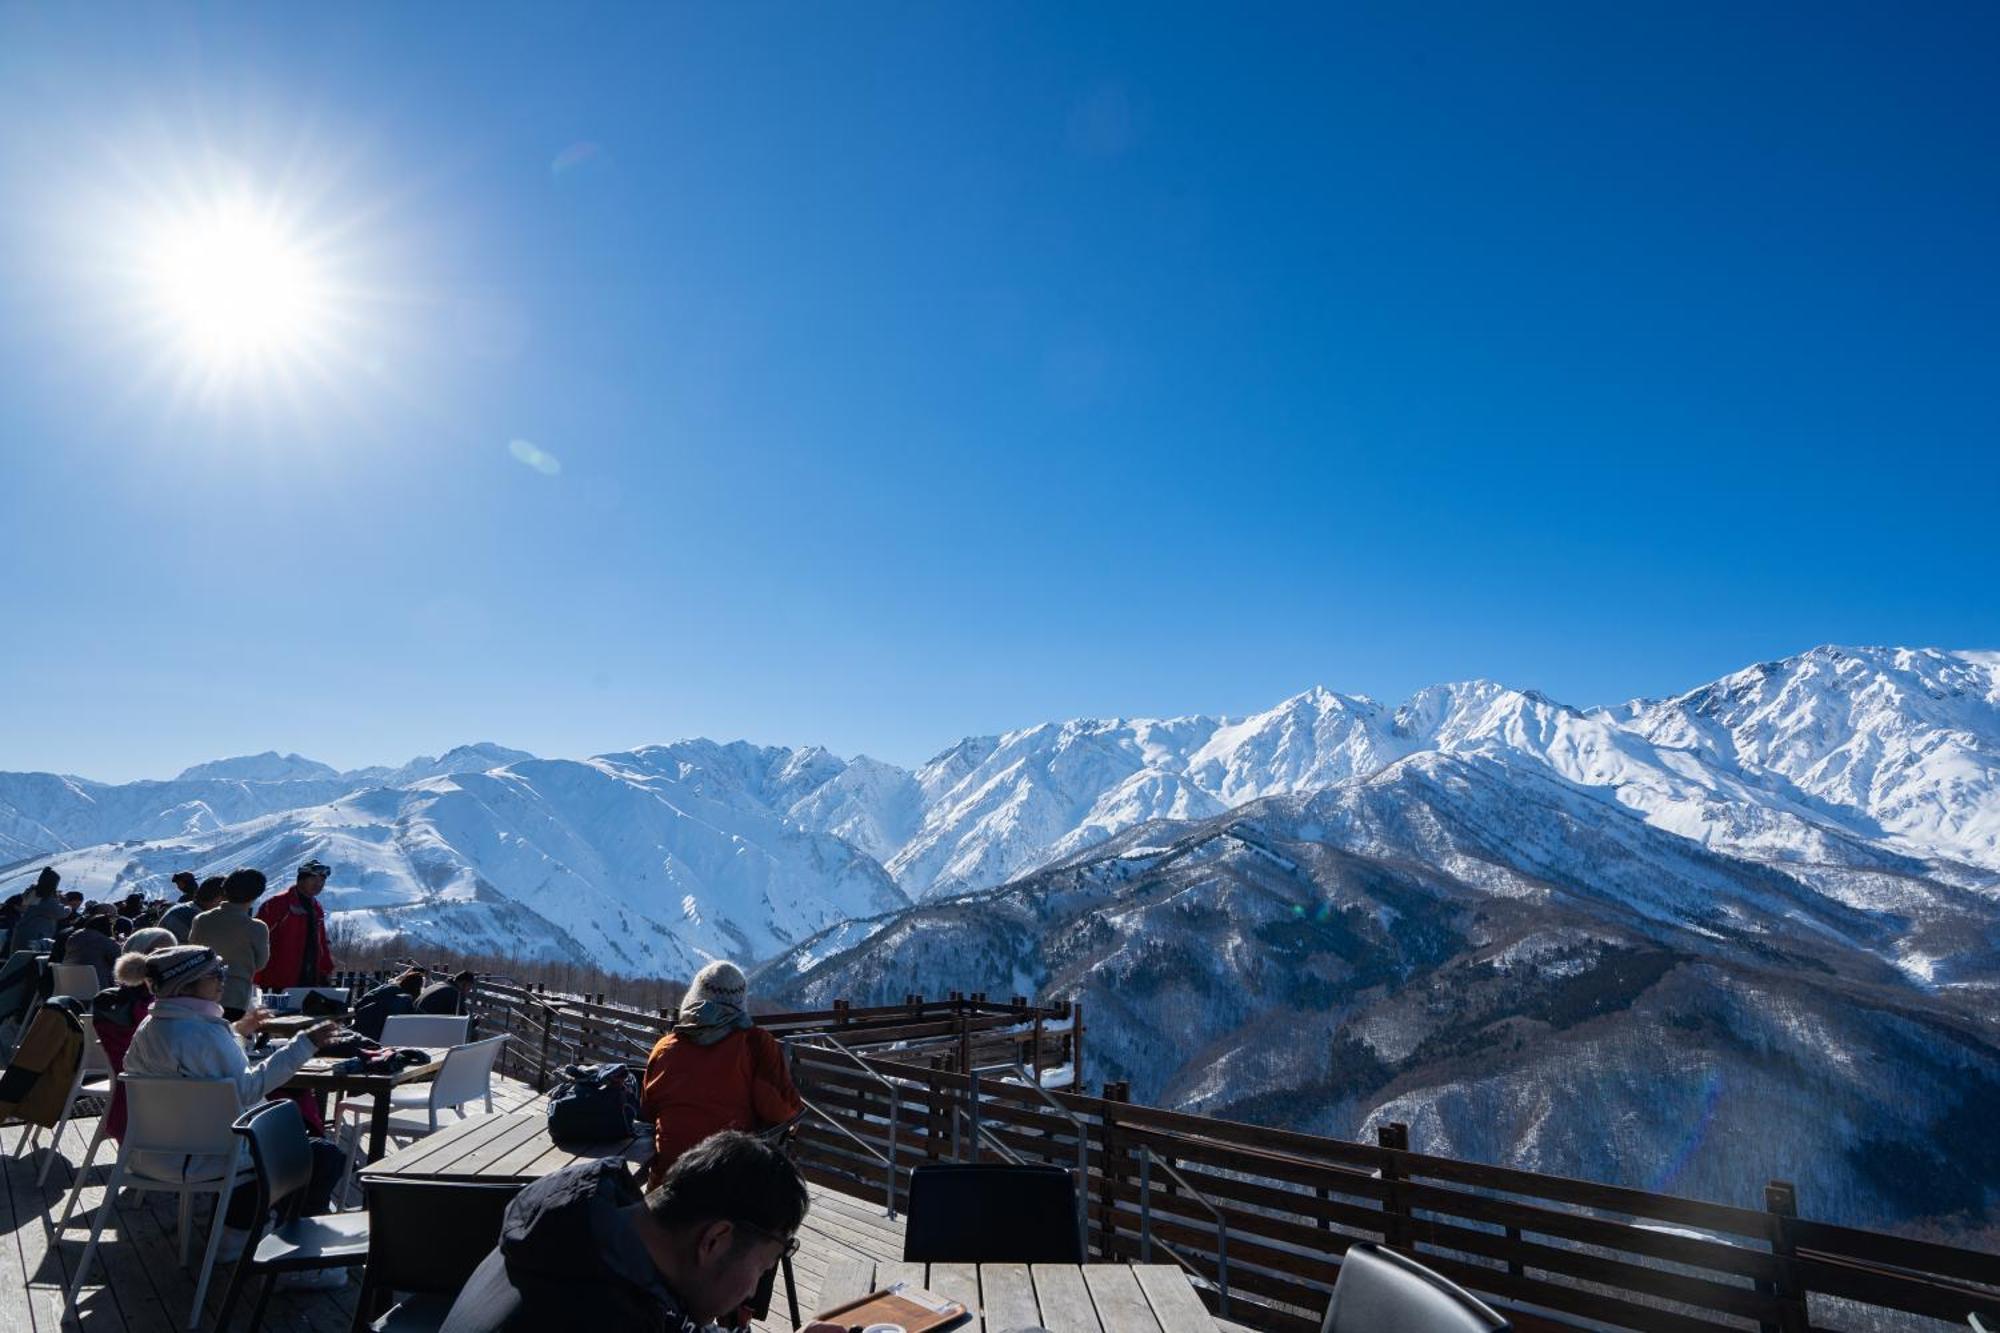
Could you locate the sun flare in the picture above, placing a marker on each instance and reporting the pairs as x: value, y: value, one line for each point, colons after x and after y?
x: 233, y: 288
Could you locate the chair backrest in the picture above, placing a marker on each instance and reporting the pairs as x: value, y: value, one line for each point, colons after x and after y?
x: 467, y: 1073
x: 991, y: 1213
x: 78, y: 980
x: 425, y: 1029
x: 1381, y: 1291
x: 95, y: 1062
x: 179, y: 1115
x: 280, y: 1154
x: 422, y: 1238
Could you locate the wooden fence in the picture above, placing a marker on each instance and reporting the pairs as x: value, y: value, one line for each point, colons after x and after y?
x: 1260, y: 1217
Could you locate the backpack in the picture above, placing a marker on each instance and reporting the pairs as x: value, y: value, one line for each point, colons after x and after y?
x: 35, y: 1088
x: 593, y: 1104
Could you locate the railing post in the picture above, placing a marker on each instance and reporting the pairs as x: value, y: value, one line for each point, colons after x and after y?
x: 1112, y: 1173
x: 1396, y: 1220
x: 1035, y: 1060
x: 934, y: 1108
x: 1781, y: 1201
x: 1076, y: 1045
x: 542, y: 1065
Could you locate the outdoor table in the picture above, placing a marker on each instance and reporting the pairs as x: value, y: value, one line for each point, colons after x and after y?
x: 496, y: 1149
x: 1067, y: 1298
x: 318, y: 1075
x: 283, y: 1027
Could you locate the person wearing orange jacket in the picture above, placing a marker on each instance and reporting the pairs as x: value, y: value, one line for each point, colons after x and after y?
x: 300, y: 955
x: 716, y: 1070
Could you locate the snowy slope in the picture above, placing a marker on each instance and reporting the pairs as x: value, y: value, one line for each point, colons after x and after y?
x: 1521, y: 970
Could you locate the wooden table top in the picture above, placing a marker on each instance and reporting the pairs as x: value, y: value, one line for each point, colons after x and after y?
x: 1067, y: 1298
x: 318, y: 1073
x: 514, y: 1146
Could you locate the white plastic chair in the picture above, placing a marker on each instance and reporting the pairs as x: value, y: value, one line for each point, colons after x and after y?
x: 94, y: 1078
x: 180, y: 1117
x: 465, y: 1077
x: 428, y: 1030
x: 76, y: 980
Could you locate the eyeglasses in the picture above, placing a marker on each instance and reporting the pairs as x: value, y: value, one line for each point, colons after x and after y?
x: 791, y: 1243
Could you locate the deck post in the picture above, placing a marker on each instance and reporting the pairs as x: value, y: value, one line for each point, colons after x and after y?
x: 1035, y: 1061
x: 1112, y: 1174
x: 542, y: 1065
x: 964, y: 1047
x: 1781, y: 1201
x: 1396, y: 1209
x: 1076, y: 1044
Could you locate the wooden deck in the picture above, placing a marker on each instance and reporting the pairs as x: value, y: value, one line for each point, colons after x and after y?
x: 137, y: 1283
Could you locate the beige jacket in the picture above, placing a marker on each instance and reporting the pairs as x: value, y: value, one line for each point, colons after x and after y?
x: 244, y: 943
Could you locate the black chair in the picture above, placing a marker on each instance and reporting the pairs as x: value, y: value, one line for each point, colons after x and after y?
x: 1381, y: 1291
x: 425, y: 1239
x: 281, y: 1156
x: 991, y: 1213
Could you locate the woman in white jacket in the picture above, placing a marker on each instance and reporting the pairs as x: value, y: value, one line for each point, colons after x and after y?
x: 186, y: 1036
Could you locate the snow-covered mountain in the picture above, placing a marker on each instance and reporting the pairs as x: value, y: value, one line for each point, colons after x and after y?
x: 1867, y: 775
x: 41, y: 813
x: 1522, y: 971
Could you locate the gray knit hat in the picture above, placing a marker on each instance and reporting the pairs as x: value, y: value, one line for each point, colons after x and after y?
x: 717, y: 1003
x: 173, y: 971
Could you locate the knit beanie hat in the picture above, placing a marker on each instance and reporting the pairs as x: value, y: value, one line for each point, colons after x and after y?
x: 173, y: 971
x: 130, y: 969
x: 717, y: 1004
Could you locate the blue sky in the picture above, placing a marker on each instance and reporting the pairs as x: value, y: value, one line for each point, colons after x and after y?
x: 914, y: 371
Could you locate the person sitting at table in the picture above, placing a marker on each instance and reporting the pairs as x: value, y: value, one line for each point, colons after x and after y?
x: 180, y: 917
x: 372, y: 1010
x: 716, y: 1070
x: 41, y: 916
x: 243, y: 941
x: 446, y: 997
x: 582, y: 1248
x: 118, y: 1009
x: 186, y: 1036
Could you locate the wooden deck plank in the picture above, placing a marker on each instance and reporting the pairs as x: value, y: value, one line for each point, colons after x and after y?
x: 958, y: 1282
x: 1121, y: 1306
x: 1173, y: 1299
x: 848, y: 1277
x: 1007, y: 1296
x: 1064, y: 1299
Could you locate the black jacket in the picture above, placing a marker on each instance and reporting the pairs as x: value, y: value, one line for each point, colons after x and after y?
x: 567, y: 1260
x: 372, y: 1010
x: 440, y: 997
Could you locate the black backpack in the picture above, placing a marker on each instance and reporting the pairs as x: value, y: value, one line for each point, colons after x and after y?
x: 593, y: 1104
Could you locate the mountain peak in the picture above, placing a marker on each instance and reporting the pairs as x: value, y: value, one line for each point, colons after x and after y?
x: 270, y: 766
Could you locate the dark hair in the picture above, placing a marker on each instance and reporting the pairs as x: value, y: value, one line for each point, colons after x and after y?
x: 210, y: 889
x: 134, y: 900
x: 98, y: 922
x: 731, y: 1176
x: 14, y: 900
x: 244, y: 885
x: 464, y: 979
x: 412, y: 980
x: 69, y: 894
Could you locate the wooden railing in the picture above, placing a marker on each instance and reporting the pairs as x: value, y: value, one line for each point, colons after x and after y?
x: 1260, y: 1216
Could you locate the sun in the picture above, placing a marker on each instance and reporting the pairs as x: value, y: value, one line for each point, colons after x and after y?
x: 234, y: 288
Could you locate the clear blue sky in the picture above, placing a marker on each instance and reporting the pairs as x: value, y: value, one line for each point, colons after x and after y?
x: 922, y: 370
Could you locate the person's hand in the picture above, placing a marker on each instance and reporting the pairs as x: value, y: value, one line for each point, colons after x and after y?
x: 322, y: 1034
x: 252, y: 1022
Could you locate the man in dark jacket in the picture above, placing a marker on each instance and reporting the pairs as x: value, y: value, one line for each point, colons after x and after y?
x: 581, y: 1248
x: 372, y: 1010
x: 41, y: 918
x: 446, y: 997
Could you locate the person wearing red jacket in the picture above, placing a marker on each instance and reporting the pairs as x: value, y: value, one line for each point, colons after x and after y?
x: 300, y: 955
